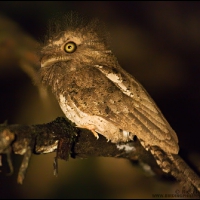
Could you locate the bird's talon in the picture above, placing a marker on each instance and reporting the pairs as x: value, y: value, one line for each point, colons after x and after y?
x: 95, y: 134
x: 91, y: 128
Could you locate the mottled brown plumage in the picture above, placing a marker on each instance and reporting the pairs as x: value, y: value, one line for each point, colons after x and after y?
x: 95, y: 92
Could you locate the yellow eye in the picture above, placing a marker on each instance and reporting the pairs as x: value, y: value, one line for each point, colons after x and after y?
x: 70, y: 47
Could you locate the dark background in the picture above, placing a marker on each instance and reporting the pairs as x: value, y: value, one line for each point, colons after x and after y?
x: 159, y: 44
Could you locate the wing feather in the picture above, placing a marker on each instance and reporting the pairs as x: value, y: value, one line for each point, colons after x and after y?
x: 146, y: 113
x: 129, y: 108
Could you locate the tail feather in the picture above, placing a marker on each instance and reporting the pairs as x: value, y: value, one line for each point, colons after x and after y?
x: 176, y: 166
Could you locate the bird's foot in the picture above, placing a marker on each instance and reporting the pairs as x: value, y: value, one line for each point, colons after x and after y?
x: 91, y: 128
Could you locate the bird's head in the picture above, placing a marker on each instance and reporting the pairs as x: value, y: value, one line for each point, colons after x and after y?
x: 73, y: 43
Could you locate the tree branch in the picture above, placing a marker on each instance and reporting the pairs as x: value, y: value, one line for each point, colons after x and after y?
x: 62, y: 136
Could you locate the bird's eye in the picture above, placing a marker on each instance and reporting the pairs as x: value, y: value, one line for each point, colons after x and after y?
x: 70, y: 47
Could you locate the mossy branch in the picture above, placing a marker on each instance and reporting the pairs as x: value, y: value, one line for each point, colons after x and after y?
x: 64, y: 138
